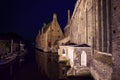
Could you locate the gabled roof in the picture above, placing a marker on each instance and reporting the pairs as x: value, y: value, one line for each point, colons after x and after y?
x: 46, y: 27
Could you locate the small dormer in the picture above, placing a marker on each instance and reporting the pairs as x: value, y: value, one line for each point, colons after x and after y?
x: 44, y: 24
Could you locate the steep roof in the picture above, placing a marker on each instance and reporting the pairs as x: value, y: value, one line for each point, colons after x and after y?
x: 46, y: 27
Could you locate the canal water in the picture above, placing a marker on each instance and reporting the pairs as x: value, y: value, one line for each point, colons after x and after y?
x: 44, y: 67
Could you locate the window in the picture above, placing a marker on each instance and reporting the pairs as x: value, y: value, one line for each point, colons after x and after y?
x: 52, y: 30
x: 58, y: 36
x: 63, y: 51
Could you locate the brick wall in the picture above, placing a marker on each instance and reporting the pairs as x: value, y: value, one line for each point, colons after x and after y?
x: 100, y: 71
x: 97, y: 23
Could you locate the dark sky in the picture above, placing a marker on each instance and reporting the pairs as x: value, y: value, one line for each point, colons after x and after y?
x: 26, y: 17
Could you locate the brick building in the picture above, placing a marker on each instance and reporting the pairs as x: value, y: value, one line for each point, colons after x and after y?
x: 49, y: 35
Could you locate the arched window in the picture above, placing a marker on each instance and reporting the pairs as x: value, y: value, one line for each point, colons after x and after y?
x: 63, y: 51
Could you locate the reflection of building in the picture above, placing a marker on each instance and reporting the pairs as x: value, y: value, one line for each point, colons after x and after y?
x: 22, y: 46
x: 48, y: 64
x: 48, y: 37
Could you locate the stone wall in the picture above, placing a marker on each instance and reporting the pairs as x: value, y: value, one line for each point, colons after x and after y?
x: 90, y: 24
x: 78, y: 67
x: 97, y: 23
x: 81, y: 23
x: 100, y: 71
x: 115, y: 25
x: 77, y: 55
x: 67, y: 31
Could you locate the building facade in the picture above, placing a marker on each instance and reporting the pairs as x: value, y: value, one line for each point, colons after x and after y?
x: 49, y: 36
x: 96, y: 23
x: 115, y: 32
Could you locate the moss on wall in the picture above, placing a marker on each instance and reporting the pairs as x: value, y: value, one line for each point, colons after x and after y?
x: 103, y: 58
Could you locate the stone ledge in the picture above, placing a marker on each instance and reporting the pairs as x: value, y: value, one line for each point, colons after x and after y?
x: 106, y: 59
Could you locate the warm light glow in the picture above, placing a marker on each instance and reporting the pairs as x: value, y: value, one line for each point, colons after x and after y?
x: 70, y: 55
x: 83, y: 59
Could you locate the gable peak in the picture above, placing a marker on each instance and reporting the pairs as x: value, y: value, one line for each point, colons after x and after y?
x: 54, y: 16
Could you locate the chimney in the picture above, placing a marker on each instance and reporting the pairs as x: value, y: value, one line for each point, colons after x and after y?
x: 54, y: 17
x: 44, y: 24
x: 42, y: 30
x: 39, y: 32
x: 68, y: 16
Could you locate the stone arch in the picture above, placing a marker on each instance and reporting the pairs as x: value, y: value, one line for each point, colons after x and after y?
x: 83, y: 58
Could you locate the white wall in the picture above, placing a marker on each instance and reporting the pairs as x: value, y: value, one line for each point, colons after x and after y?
x: 70, y: 56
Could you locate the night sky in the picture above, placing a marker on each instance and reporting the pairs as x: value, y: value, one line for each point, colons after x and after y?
x: 26, y: 17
